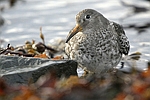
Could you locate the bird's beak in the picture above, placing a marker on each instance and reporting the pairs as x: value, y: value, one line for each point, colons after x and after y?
x: 74, y: 31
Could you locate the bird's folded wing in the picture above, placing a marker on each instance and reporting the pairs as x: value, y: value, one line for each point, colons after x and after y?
x: 122, y: 39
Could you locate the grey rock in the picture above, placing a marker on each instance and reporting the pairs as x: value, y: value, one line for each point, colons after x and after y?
x: 19, y: 70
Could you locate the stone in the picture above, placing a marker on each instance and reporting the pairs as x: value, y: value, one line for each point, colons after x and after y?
x: 22, y: 70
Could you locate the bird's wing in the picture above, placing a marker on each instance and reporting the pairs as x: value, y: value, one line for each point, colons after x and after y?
x: 122, y: 39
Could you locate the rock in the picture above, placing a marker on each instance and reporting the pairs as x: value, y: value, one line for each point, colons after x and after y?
x: 19, y: 70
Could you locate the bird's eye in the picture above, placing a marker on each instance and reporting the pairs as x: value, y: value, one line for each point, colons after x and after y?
x: 87, y: 16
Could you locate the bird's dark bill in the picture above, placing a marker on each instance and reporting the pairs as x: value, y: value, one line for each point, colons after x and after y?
x: 74, y: 31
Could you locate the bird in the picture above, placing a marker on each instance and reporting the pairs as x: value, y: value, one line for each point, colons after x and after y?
x: 96, y: 43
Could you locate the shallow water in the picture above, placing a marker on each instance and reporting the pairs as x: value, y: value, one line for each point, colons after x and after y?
x: 57, y: 17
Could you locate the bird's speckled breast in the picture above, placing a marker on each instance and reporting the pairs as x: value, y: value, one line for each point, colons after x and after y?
x: 97, y: 51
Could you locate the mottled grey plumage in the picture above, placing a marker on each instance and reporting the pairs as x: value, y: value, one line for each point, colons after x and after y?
x: 95, y: 42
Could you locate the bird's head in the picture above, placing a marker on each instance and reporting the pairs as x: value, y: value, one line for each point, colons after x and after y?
x: 87, y: 19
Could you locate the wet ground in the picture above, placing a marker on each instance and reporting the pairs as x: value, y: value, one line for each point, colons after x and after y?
x: 56, y: 17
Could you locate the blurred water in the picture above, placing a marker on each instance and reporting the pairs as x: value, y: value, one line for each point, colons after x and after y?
x: 57, y: 17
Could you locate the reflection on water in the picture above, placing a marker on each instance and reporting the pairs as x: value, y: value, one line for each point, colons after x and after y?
x: 57, y: 17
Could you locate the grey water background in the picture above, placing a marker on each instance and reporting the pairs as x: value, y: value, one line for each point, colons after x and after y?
x: 57, y: 17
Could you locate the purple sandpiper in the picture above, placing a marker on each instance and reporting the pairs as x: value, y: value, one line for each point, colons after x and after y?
x: 95, y: 42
